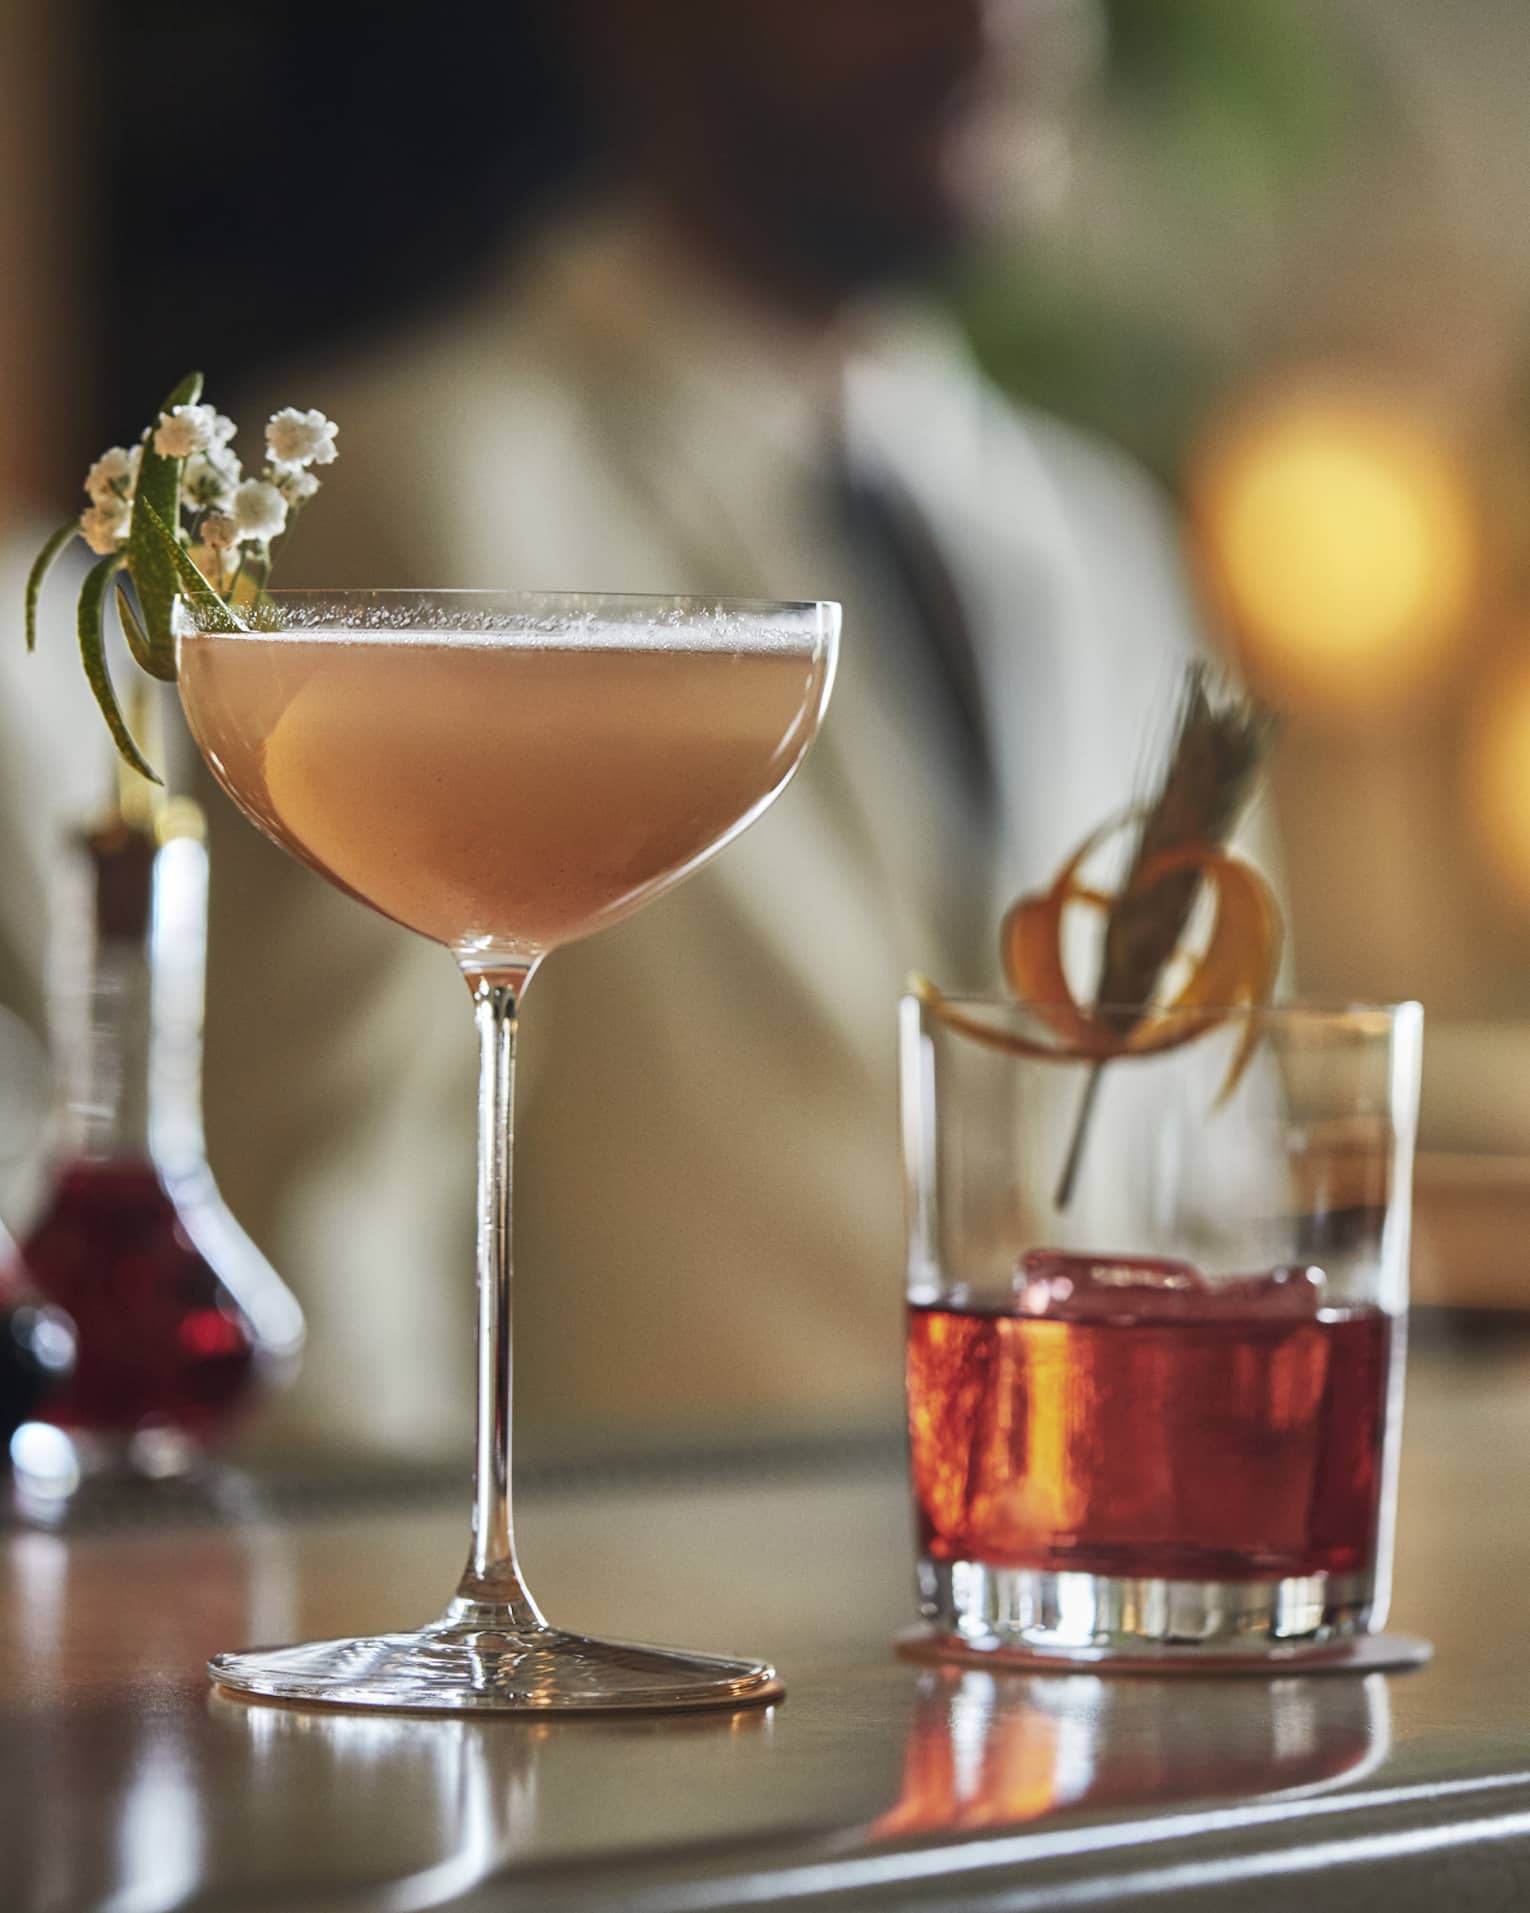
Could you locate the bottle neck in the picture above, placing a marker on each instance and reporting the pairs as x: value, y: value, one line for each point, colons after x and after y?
x: 128, y: 972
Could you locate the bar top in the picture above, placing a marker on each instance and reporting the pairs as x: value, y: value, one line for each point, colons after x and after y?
x: 126, y: 1781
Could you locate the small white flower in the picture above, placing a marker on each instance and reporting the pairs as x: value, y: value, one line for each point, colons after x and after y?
x: 220, y: 531
x: 105, y: 526
x: 187, y: 429
x: 301, y: 438
x: 112, y: 475
x: 295, y: 482
x: 209, y: 478
x: 260, y: 511
x: 223, y: 428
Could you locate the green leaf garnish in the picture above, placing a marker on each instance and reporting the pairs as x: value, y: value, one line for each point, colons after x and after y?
x: 40, y: 570
x: 187, y: 578
x: 159, y: 491
x: 148, y: 534
x: 132, y: 630
x: 93, y: 592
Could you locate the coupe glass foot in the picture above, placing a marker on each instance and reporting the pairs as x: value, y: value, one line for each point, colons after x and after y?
x: 451, y: 1668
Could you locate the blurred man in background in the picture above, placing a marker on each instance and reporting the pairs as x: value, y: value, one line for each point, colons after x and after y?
x: 713, y: 372
x: 695, y: 381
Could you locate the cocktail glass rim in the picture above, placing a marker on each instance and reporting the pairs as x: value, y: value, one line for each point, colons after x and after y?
x: 604, y: 600
x: 1315, y: 1008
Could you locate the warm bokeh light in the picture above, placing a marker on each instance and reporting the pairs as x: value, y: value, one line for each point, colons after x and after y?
x: 1498, y: 777
x: 1337, y: 531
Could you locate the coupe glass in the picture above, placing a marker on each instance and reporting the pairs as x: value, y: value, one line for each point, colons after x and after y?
x: 502, y: 773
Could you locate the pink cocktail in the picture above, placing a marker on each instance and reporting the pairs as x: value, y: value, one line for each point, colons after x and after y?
x: 503, y: 773
x: 501, y: 798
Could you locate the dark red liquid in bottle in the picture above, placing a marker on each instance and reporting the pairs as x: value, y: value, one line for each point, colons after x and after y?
x: 1220, y: 1442
x: 162, y: 1342
x: 180, y: 1320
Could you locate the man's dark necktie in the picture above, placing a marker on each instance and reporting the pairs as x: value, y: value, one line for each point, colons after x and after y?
x: 894, y: 539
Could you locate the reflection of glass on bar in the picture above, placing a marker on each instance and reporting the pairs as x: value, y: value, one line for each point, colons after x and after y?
x: 987, y: 1752
x: 1163, y: 1418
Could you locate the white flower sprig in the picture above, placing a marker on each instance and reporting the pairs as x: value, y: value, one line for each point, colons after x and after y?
x: 176, y: 514
x: 214, y: 491
x: 113, y: 475
x: 208, y: 479
x: 185, y: 429
x: 301, y: 438
x: 260, y: 511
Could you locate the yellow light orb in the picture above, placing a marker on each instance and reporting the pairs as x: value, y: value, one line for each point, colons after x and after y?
x: 1498, y: 777
x: 1338, y: 533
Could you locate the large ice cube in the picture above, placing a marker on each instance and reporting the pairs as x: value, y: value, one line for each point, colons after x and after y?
x: 1294, y: 1289
x: 1096, y: 1287
x: 1142, y: 1288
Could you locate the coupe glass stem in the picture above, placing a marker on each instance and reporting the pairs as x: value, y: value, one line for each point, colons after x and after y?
x: 491, y: 1591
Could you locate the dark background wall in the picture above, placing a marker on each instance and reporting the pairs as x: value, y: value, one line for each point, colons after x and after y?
x: 298, y: 174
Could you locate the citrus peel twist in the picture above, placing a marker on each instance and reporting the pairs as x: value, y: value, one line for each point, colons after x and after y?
x: 1234, y: 972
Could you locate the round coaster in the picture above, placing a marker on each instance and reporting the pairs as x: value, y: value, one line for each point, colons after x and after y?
x: 1350, y: 1654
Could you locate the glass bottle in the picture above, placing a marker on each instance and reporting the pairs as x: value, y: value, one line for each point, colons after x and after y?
x: 181, y: 1321
x: 36, y: 1345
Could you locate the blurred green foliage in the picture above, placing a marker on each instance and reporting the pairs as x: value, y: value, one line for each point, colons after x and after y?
x: 1256, y: 84
x: 1224, y: 110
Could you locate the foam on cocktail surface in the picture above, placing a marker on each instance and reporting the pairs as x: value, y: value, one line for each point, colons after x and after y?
x: 724, y: 633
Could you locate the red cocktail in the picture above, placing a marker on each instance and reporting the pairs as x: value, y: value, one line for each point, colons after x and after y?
x: 1153, y: 1409
x: 1226, y: 1431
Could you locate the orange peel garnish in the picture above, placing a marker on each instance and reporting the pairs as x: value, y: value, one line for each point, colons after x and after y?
x: 1234, y: 972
